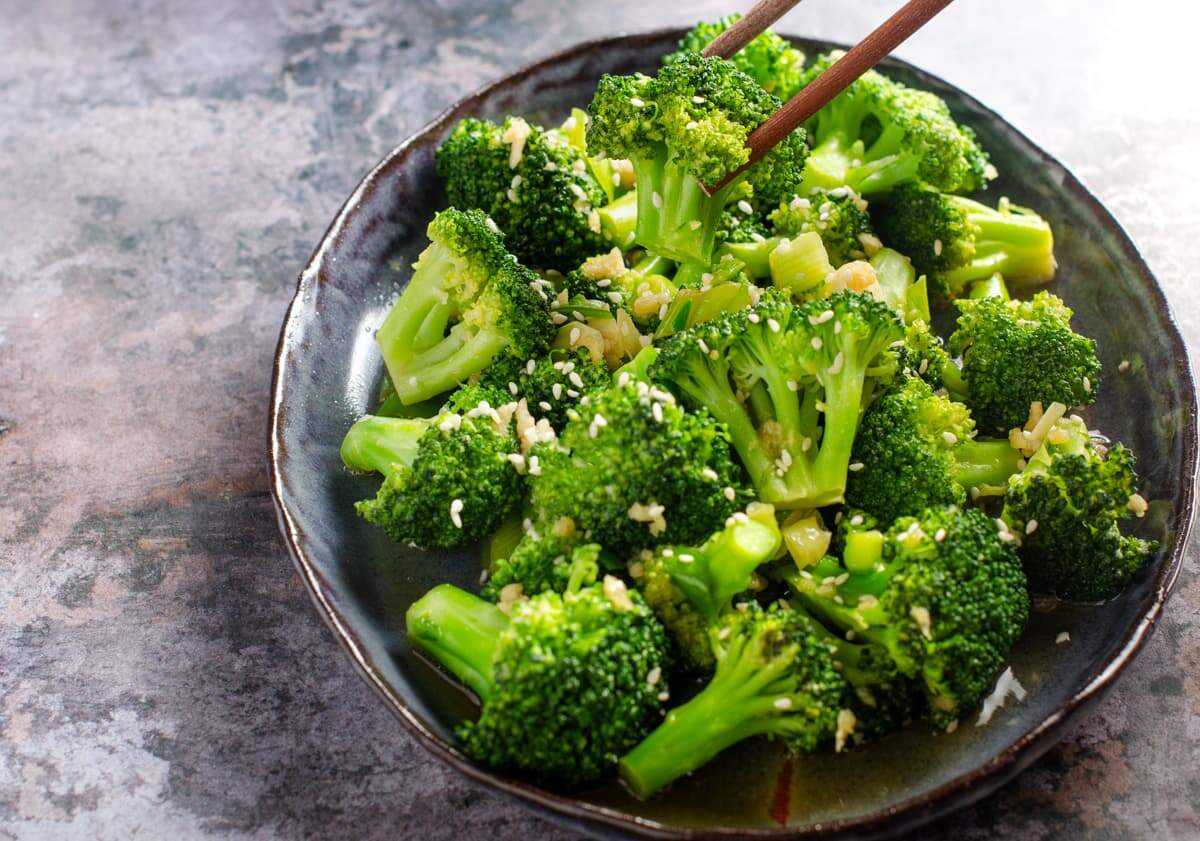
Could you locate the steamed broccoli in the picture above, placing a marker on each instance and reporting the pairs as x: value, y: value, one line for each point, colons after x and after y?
x: 924, y: 355
x: 550, y: 384
x: 775, y: 676
x: 633, y: 470
x: 943, y: 593
x: 541, y: 563
x: 447, y: 480
x: 767, y: 59
x: 1067, y: 505
x: 790, y: 383
x: 684, y: 128
x: 1016, y: 353
x: 838, y: 216
x: 690, y: 587
x: 878, y: 134
x: 957, y: 241
x: 533, y: 183
x: 918, y: 450
x: 567, y: 683
x: 468, y: 300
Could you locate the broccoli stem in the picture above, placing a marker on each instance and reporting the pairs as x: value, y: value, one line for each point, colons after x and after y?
x: 618, y: 219
x: 1011, y: 241
x: 756, y: 255
x: 822, y: 481
x: 380, y: 444
x: 675, y: 216
x: 461, y: 631
x: 992, y: 287
x: 652, y: 263
x: 981, y: 462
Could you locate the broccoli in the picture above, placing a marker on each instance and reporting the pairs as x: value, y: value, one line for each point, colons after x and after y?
x: 533, y: 183
x: 918, y: 450
x: 775, y: 676
x: 567, y: 684
x: 838, y: 216
x: 682, y: 129
x: 943, y: 593
x: 641, y: 290
x: 545, y: 562
x: 924, y: 355
x: 956, y: 241
x: 1016, y: 353
x: 768, y: 59
x: 633, y: 470
x: 772, y: 372
x: 467, y: 282
x: 550, y: 384
x: 689, y: 588
x: 1067, y: 505
x: 447, y: 480
x: 878, y: 134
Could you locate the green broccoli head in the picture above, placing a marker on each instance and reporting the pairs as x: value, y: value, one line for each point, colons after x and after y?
x: 917, y: 450
x: 568, y: 683
x: 633, y: 470
x: 535, y: 184
x: 1067, y: 506
x: 682, y: 129
x: 923, y: 355
x: 775, y: 676
x: 838, y: 216
x: 878, y: 134
x: 1016, y: 353
x: 946, y: 599
x: 767, y: 59
x: 541, y: 563
x: 468, y: 300
x: 550, y: 384
x: 956, y: 241
x: 447, y: 480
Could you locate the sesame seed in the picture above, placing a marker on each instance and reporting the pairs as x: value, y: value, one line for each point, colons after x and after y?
x: 576, y: 380
x: 816, y: 342
x: 806, y: 445
x: 518, y: 461
x: 699, y: 100
x: 1031, y: 526
x: 456, y: 507
x: 653, y: 675
x: 783, y: 703
x: 544, y: 406
x: 855, y: 467
x: 745, y: 207
x: 838, y: 361
x: 656, y: 411
x: 753, y: 318
x: 557, y: 391
x: 685, y: 558
x: 656, y: 200
x: 535, y: 467
x: 937, y: 247
x: 773, y: 325
x: 1062, y: 638
x: 512, y: 389
x: 939, y: 535
x: 730, y: 494
x: 691, y: 125
x: 1087, y: 384
x: 1124, y: 366
x: 573, y: 337
x: 664, y: 695
x: 949, y: 437
x: 636, y: 103
x: 856, y: 520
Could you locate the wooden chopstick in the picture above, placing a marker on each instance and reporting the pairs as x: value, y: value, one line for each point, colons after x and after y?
x: 763, y: 14
x: 861, y: 58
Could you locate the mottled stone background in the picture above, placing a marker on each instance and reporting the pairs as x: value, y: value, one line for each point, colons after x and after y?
x: 165, y: 169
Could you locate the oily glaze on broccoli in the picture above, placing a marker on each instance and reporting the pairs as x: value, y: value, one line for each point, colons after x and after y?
x: 691, y: 587
x: 550, y: 384
x: 838, y: 216
x: 878, y: 134
x: 790, y: 383
x: 775, y: 676
x: 568, y: 683
x: 943, y: 593
x: 956, y: 241
x: 918, y: 450
x: 468, y: 300
x: 447, y: 480
x: 633, y: 470
x: 767, y: 59
x: 534, y: 183
x: 1016, y: 353
x: 1066, y: 506
x: 684, y: 128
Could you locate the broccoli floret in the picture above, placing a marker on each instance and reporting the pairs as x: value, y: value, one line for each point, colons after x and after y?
x: 468, y: 300
x: 546, y: 562
x: 533, y: 183
x: 447, y: 480
x: 878, y: 134
x: 642, y: 290
x: 768, y: 59
x: 918, y: 450
x: 1016, y: 353
x: 1067, y: 506
x: 924, y: 355
x: 550, y: 384
x: 838, y: 216
x: 790, y: 383
x: 684, y: 128
x: 956, y: 241
x: 473, y: 395
x: 691, y: 587
x: 567, y: 684
x: 943, y: 593
x: 775, y: 676
x: 633, y: 470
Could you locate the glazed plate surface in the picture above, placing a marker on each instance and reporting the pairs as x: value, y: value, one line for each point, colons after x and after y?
x: 328, y: 370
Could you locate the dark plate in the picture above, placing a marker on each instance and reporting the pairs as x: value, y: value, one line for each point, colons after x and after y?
x: 328, y: 369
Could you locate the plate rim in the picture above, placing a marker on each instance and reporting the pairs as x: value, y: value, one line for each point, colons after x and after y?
x: 908, y: 814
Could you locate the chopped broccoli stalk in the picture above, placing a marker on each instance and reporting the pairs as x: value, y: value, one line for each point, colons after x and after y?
x: 756, y: 255
x: 500, y: 545
x: 838, y: 217
x: 382, y: 445
x: 468, y: 300
x: 958, y: 241
x: 878, y: 134
x: 768, y: 59
x: 775, y: 676
x: 618, y: 219
x: 799, y: 264
x: 682, y: 129
x: 1016, y: 353
x: 992, y: 287
x: 694, y: 306
x: 1067, y: 506
x: 806, y: 537
x: 863, y: 550
x: 558, y: 707
x: 898, y: 281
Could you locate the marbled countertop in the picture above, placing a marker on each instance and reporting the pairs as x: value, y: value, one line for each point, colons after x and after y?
x: 166, y: 169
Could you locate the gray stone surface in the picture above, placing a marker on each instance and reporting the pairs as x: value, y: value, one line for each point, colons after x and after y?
x: 166, y: 168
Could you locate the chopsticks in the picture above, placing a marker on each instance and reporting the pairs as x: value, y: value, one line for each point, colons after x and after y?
x: 763, y: 14
x: 861, y: 58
